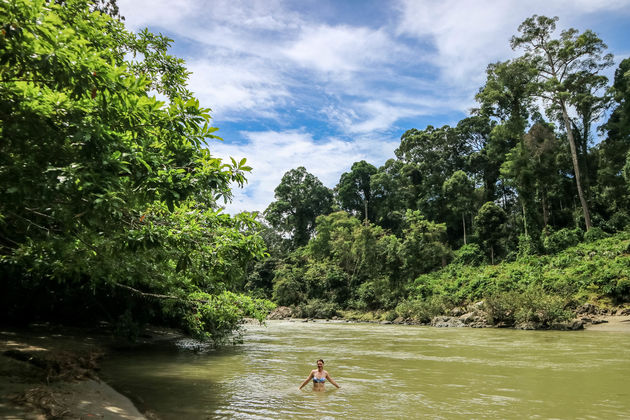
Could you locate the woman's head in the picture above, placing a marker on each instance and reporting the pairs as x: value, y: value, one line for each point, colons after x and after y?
x: 320, y: 363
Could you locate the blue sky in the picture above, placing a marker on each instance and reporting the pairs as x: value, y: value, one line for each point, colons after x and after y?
x: 325, y: 83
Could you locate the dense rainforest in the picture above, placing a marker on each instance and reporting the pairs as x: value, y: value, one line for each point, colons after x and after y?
x: 486, y: 211
x: 111, y: 201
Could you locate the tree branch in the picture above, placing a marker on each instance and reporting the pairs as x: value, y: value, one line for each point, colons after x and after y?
x: 146, y: 294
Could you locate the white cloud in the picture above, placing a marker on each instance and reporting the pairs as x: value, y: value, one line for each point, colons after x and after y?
x: 272, y: 153
x: 376, y: 116
x: 218, y: 30
x: 179, y: 16
x: 250, y: 59
x: 139, y: 14
x: 337, y: 49
x: 267, y: 15
x: 467, y: 36
x: 234, y: 90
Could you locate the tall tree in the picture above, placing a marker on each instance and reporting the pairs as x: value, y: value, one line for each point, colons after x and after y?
x: 459, y: 191
x: 590, y: 100
x: 506, y: 97
x: 354, y: 191
x: 532, y: 169
x: 490, y: 225
x: 391, y: 195
x: 618, y: 125
x: 558, y: 61
x: 432, y: 155
x: 507, y: 94
x: 482, y: 163
x: 300, y: 198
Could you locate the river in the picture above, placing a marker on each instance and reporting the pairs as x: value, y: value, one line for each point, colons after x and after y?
x: 385, y: 372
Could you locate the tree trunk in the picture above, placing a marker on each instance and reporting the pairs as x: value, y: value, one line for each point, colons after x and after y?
x: 492, y: 255
x: 544, y: 208
x: 576, y: 166
x: 464, y: 224
x: 524, y: 217
x: 583, y: 153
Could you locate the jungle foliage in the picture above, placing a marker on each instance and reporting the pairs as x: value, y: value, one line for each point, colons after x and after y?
x: 109, y: 196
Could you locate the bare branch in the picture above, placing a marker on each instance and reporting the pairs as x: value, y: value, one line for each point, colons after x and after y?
x: 146, y: 294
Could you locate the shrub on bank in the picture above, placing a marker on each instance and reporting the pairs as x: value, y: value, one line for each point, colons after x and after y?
x: 424, y: 310
x: 595, y: 234
x: 316, y: 308
x: 534, y: 305
x: 564, y: 238
x: 469, y: 254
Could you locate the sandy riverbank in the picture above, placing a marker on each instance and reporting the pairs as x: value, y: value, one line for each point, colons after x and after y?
x: 611, y: 323
x: 57, y: 379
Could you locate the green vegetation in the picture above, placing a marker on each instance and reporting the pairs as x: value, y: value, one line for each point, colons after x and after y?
x: 532, y: 288
x: 108, y: 197
x: 514, y: 206
x: 301, y: 197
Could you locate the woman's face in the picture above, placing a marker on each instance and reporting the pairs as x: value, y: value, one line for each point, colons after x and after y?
x: 320, y: 364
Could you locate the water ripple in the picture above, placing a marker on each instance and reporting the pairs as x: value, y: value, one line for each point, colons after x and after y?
x: 385, y: 372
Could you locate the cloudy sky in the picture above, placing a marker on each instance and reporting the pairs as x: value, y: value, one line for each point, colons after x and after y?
x: 325, y: 83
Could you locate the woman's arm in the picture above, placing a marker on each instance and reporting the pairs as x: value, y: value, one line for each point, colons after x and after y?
x: 331, y: 380
x: 306, y: 381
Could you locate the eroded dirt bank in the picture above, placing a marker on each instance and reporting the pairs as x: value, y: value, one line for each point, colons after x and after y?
x: 47, y: 373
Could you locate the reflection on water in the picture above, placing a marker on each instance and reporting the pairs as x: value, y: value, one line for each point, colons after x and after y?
x: 385, y: 371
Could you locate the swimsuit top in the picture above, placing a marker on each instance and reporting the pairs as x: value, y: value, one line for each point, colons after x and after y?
x: 318, y: 380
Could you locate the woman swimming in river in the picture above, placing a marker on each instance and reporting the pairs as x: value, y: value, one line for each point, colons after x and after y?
x: 319, y: 376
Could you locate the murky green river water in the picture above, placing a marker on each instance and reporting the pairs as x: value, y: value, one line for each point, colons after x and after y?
x: 386, y: 372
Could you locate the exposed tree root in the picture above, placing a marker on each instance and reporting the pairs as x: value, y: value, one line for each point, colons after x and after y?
x: 42, y: 398
x: 62, y: 365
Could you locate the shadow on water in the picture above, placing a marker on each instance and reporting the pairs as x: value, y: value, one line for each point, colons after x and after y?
x: 166, y: 377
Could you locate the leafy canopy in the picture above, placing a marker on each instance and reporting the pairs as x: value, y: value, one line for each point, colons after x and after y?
x: 300, y: 198
x: 107, y: 205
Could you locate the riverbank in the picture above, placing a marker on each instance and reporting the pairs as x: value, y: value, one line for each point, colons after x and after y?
x: 53, y: 373
x: 585, y: 317
x: 612, y: 323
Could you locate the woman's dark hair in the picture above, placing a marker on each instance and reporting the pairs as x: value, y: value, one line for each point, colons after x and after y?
x: 320, y: 360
